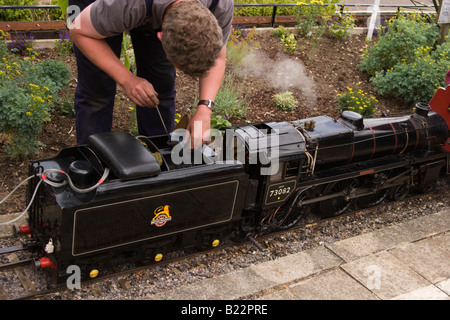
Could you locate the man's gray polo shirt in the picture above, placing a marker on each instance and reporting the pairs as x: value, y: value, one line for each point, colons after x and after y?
x: 112, y: 17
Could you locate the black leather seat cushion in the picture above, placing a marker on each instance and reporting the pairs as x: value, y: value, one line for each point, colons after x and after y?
x: 125, y: 156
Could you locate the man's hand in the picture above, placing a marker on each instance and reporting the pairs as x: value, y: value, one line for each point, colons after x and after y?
x: 141, y: 92
x: 200, y: 125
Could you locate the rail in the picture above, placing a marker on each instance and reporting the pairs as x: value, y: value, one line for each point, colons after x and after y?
x: 274, y: 6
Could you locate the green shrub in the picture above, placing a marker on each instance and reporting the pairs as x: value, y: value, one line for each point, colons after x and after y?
x: 4, y: 51
x: 280, y: 32
x: 240, y: 45
x: 230, y: 101
x: 23, y: 111
x: 16, y: 15
x: 63, y: 44
x: 28, y: 92
x: 285, y: 101
x: 354, y: 99
x: 416, y: 79
x: 340, y: 25
x: 289, y: 43
x: 54, y: 74
x: 312, y: 17
x: 400, y: 38
x: 217, y: 122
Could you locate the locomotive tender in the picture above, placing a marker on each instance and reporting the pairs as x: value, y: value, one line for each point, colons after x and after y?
x: 122, y: 198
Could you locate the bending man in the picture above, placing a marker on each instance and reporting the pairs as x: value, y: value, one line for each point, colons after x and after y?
x: 188, y: 34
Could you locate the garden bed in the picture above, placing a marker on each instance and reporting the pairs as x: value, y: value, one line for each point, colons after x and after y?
x: 315, y: 76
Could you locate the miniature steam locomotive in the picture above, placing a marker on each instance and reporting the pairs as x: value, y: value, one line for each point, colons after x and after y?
x: 122, y: 198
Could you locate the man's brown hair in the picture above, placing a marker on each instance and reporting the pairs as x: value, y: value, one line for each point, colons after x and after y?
x: 192, y: 38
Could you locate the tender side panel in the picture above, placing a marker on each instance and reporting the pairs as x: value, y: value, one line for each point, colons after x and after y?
x: 121, y: 223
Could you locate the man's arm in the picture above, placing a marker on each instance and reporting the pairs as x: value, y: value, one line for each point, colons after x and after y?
x: 95, y: 48
x: 208, y: 89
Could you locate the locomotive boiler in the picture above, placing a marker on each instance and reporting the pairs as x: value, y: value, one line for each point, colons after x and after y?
x: 133, y: 199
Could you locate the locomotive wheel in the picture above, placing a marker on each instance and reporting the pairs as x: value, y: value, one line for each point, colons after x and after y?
x: 373, y: 199
x: 338, y: 205
x: 296, y: 214
x: 399, y: 192
x: 377, y: 197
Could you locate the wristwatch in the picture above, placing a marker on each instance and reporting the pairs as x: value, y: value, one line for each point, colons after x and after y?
x: 208, y: 103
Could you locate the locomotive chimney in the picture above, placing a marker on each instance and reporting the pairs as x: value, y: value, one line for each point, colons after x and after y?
x: 422, y: 109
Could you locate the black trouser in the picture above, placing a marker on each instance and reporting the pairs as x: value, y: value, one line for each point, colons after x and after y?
x: 95, y: 92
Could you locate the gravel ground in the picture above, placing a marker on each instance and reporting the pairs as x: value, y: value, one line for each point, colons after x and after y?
x: 142, y: 284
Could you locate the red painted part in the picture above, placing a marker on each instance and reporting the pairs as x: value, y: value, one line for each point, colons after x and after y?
x: 24, y: 229
x: 45, y: 262
x: 440, y: 103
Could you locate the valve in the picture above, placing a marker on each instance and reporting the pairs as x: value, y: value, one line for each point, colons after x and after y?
x: 43, y: 263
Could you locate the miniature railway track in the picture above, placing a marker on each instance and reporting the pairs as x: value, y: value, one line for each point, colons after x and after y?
x: 20, y: 270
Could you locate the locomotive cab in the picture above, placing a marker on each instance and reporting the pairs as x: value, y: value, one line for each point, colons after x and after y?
x: 275, y: 155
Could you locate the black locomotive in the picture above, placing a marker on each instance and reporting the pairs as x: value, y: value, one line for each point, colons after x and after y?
x: 123, y: 198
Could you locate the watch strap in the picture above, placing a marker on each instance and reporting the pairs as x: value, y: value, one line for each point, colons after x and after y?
x: 208, y: 103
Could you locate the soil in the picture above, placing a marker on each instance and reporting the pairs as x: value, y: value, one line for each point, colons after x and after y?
x: 316, y: 75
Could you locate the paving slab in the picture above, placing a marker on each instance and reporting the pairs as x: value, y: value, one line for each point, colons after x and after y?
x: 332, y: 285
x: 232, y: 285
x: 282, y: 294
x: 444, y: 286
x: 297, y: 266
x: 426, y: 293
x: 443, y: 240
x: 427, y: 257
x: 385, y: 275
x: 391, y: 237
